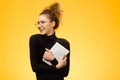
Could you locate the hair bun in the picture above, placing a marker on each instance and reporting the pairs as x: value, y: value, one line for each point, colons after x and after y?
x: 55, y: 8
x: 55, y: 13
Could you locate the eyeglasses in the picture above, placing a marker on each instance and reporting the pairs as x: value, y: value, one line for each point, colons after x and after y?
x: 42, y: 22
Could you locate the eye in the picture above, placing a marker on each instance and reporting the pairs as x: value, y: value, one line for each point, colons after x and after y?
x: 42, y: 22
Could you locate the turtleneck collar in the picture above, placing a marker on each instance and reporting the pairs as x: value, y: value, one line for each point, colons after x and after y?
x: 51, y: 37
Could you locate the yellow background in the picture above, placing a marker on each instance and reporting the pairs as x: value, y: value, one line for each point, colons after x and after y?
x: 91, y: 26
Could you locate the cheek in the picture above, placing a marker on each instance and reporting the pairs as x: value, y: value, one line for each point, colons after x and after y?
x: 48, y: 27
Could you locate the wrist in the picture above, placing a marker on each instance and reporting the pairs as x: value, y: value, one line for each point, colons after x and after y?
x: 58, y: 66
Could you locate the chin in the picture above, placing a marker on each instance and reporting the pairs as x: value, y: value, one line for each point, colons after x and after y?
x: 43, y: 33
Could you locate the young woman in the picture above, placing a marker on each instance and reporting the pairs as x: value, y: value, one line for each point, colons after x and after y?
x: 40, y: 45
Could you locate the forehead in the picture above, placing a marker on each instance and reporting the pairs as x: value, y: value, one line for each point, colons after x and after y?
x: 43, y: 17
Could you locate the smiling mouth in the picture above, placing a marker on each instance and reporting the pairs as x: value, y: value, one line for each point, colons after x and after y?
x: 41, y: 29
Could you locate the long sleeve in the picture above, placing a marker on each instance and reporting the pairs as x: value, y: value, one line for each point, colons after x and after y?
x: 65, y: 70
x: 37, y: 45
x: 37, y: 64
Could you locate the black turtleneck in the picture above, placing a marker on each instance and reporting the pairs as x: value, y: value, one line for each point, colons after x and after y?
x: 38, y: 43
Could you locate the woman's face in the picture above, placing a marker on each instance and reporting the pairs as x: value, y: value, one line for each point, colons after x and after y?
x: 45, y: 25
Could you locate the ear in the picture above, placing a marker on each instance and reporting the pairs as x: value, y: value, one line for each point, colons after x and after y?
x: 53, y: 24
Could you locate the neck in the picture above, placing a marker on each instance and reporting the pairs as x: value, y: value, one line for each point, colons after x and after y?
x: 50, y: 33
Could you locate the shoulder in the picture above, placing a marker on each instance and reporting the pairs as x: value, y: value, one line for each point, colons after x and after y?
x: 63, y: 42
x: 35, y: 36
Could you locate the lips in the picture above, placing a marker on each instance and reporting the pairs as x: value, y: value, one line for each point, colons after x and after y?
x: 41, y: 29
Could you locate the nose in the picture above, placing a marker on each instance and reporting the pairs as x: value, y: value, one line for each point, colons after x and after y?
x: 40, y: 26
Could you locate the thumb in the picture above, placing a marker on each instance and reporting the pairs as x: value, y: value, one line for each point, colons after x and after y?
x: 64, y: 56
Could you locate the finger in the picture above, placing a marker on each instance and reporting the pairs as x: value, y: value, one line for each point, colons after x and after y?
x: 47, y: 49
x: 45, y: 52
x: 65, y: 58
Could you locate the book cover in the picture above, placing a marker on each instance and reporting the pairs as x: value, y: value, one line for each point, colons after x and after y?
x: 58, y: 51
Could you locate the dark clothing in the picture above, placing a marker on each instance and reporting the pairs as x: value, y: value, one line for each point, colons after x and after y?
x: 43, y: 71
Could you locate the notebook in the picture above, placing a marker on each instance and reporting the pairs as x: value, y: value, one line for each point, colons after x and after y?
x: 58, y: 51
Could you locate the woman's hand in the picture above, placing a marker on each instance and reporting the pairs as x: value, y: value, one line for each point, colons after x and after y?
x: 48, y: 55
x: 62, y: 62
